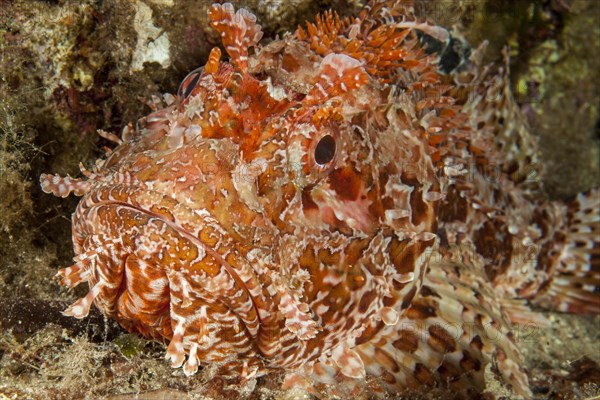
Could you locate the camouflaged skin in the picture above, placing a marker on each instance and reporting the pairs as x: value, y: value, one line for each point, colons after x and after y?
x: 340, y: 204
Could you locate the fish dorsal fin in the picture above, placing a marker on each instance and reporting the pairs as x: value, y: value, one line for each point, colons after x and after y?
x: 380, y: 37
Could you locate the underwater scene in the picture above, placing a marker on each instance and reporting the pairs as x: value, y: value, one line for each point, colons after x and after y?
x: 303, y: 199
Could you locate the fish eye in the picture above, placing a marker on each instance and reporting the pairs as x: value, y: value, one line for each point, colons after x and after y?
x: 189, y: 83
x: 325, y: 150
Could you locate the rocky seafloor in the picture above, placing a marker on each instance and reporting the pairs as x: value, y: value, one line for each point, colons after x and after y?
x: 68, y: 68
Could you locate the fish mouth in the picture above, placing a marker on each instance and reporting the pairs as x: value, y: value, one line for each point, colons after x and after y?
x: 162, y: 269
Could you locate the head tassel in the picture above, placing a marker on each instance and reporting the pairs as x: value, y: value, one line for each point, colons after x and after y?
x: 239, y: 31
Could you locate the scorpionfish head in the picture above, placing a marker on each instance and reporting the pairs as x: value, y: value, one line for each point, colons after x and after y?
x: 282, y: 206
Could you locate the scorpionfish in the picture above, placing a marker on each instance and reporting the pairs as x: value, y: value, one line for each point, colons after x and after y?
x: 350, y: 205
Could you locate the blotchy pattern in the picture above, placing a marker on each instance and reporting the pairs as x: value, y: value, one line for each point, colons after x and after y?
x: 341, y: 204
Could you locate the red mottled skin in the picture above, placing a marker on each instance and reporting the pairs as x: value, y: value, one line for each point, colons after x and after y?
x: 325, y: 206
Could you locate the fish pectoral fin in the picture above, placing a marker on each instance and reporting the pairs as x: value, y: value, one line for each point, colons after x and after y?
x: 454, y: 330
